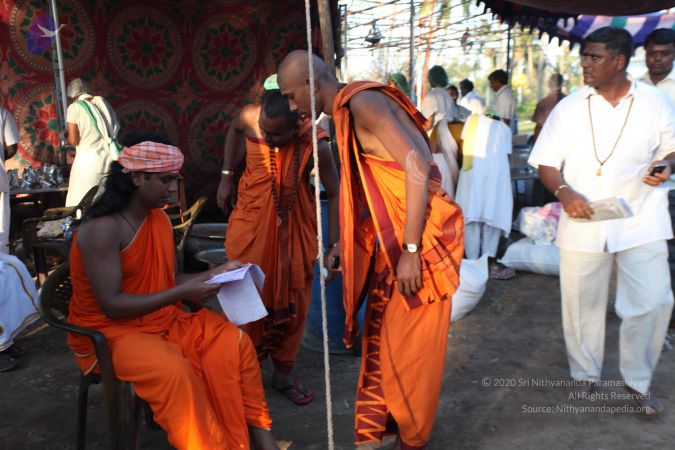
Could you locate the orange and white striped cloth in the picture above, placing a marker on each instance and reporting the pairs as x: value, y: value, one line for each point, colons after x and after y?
x: 151, y: 157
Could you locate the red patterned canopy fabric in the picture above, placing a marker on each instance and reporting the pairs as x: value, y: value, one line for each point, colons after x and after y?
x: 181, y: 68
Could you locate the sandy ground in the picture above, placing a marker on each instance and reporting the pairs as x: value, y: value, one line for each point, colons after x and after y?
x: 498, y: 359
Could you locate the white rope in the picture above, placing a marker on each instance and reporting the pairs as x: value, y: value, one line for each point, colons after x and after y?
x: 317, y: 196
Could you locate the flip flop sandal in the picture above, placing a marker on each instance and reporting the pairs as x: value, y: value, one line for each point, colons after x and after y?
x: 502, y: 273
x: 306, y: 397
x: 14, y: 351
x: 7, y: 363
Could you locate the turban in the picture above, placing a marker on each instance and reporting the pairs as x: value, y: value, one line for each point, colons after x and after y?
x: 271, y: 83
x: 438, y: 77
x: 151, y: 157
x: 401, y: 82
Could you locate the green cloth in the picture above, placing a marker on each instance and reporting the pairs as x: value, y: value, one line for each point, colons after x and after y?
x: 271, y: 83
x: 401, y: 82
x: 438, y: 77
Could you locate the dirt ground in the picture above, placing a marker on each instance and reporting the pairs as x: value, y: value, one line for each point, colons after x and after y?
x: 498, y: 358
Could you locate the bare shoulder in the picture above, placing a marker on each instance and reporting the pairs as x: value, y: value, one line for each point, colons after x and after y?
x: 249, y: 116
x: 366, y: 101
x: 90, y: 233
x: 369, y: 107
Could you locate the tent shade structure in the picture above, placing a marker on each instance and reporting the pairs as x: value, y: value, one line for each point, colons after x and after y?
x: 571, y: 8
x: 638, y: 26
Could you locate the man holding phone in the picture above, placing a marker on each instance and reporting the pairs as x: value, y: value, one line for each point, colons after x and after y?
x: 622, y: 147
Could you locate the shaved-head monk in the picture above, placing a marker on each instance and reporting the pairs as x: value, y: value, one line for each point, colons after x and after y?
x: 274, y: 224
x: 390, y: 191
x: 197, y: 371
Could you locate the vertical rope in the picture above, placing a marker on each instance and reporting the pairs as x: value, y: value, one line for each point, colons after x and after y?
x: 317, y: 197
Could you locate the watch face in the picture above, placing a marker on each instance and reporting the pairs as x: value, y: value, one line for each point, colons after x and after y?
x: 412, y: 248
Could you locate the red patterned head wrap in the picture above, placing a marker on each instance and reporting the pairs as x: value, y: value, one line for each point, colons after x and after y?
x: 151, y: 157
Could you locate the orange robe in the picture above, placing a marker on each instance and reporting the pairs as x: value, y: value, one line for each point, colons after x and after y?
x: 197, y: 371
x: 286, y: 253
x: 404, y: 341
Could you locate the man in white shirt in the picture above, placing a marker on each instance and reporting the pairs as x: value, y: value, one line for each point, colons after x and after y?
x: 607, y: 137
x: 9, y: 138
x: 503, y: 102
x: 660, y: 52
x: 469, y: 98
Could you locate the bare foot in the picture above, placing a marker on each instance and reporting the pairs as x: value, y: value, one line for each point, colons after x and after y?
x: 292, y: 389
x: 648, y: 402
x: 262, y: 439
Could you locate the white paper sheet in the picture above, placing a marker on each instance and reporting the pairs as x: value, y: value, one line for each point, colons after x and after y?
x: 239, y: 295
x: 607, y: 209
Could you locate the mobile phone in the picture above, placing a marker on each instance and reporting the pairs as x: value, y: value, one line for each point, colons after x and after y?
x: 659, y: 168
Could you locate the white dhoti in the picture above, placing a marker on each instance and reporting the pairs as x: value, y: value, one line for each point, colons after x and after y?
x: 446, y: 175
x: 644, y: 301
x: 4, y: 222
x: 481, y: 239
x: 18, y: 299
x: 89, y: 168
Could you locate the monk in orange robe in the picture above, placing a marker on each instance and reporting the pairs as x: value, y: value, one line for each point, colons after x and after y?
x: 198, y: 372
x: 274, y: 224
x: 390, y: 192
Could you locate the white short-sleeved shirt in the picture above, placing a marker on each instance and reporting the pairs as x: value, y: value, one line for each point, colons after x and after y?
x: 470, y: 100
x: 667, y: 85
x: 9, y: 135
x: 566, y: 142
x: 504, y: 105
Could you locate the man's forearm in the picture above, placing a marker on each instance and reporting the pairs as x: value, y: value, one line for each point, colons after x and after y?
x: 551, y: 178
x: 129, y: 306
x: 417, y: 196
x: 232, y: 143
x: 334, y: 218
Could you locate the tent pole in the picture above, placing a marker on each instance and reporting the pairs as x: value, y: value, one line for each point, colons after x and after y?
x: 61, y: 85
x: 326, y: 25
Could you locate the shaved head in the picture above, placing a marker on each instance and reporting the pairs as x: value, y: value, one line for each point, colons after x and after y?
x: 293, y: 80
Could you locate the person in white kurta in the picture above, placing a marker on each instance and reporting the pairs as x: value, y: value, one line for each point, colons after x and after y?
x: 484, y: 187
x: 602, y: 142
x: 503, y: 101
x: 659, y: 56
x: 18, y: 307
x: 440, y: 109
x: 9, y: 138
x: 93, y: 154
x: 469, y: 98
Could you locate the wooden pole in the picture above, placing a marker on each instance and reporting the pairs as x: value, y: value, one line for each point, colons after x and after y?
x: 326, y: 24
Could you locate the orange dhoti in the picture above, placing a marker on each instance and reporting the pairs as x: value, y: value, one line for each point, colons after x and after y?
x: 198, y: 372
x: 285, y: 249
x: 404, y: 340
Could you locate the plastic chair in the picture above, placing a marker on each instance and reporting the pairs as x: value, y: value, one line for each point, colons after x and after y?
x: 182, y: 227
x: 121, y: 404
x: 60, y: 245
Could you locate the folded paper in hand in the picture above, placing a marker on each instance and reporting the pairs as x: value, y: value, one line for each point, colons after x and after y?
x: 607, y: 209
x: 239, y: 294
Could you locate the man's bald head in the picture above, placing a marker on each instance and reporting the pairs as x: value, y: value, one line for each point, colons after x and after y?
x: 293, y: 79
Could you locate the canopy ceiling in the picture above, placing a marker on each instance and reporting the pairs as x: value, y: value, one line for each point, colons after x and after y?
x: 545, y: 13
x: 595, y: 7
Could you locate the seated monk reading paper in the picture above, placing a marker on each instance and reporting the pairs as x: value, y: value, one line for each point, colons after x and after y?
x: 198, y: 372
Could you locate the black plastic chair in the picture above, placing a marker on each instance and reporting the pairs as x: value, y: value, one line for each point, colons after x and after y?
x: 122, y: 406
x: 60, y: 245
